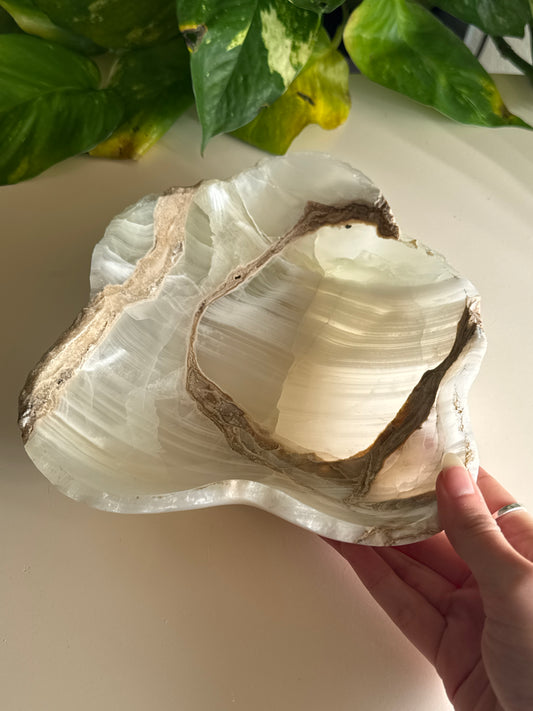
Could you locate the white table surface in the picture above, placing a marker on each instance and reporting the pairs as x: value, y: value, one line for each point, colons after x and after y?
x: 232, y: 609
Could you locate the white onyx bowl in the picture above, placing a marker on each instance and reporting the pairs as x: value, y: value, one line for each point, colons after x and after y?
x: 270, y: 340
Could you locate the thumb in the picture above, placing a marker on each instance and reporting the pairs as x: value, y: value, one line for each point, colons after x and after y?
x: 472, y: 530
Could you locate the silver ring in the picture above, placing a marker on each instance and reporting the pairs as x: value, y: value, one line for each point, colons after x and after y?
x: 507, y: 509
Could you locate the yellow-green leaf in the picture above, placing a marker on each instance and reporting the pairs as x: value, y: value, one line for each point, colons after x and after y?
x: 318, y: 95
x: 155, y: 86
x: 50, y: 106
x: 401, y: 45
x: 115, y: 24
x: 244, y: 55
x: 34, y: 21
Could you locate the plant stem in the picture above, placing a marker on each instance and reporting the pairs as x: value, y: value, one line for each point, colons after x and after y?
x: 508, y: 52
x: 337, y: 39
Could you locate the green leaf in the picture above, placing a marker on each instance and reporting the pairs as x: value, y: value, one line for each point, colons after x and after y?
x: 401, y: 45
x: 7, y: 23
x: 115, y: 24
x: 35, y: 22
x: 495, y: 17
x: 245, y: 54
x: 155, y: 86
x: 319, y: 6
x: 319, y: 94
x: 50, y: 106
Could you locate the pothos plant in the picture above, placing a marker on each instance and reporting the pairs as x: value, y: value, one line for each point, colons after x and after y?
x: 109, y: 77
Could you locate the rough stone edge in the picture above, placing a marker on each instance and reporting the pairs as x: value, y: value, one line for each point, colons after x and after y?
x: 43, y: 387
x: 249, y: 439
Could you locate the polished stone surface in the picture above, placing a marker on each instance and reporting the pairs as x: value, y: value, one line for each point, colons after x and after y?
x: 271, y: 339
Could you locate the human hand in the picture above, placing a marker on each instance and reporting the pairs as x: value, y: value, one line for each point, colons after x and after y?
x: 465, y: 596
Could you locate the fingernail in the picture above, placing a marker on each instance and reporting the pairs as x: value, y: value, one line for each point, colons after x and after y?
x: 456, y: 479
x: 451, y: 459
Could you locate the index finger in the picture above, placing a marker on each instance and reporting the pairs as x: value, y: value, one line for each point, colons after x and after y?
x: 517, y: 527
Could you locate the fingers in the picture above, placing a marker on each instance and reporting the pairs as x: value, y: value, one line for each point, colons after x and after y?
x: 493, y: 492
x: 518, y: 527
x: 421, y: 623
x: 434, y: 587
x: 438, y: 554
x: 474, y: 533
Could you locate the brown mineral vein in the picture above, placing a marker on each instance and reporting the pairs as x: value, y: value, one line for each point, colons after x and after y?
x: 44, y: 384
x: 392, y: 535
x: 408, y: 502
x: 250, y: 440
